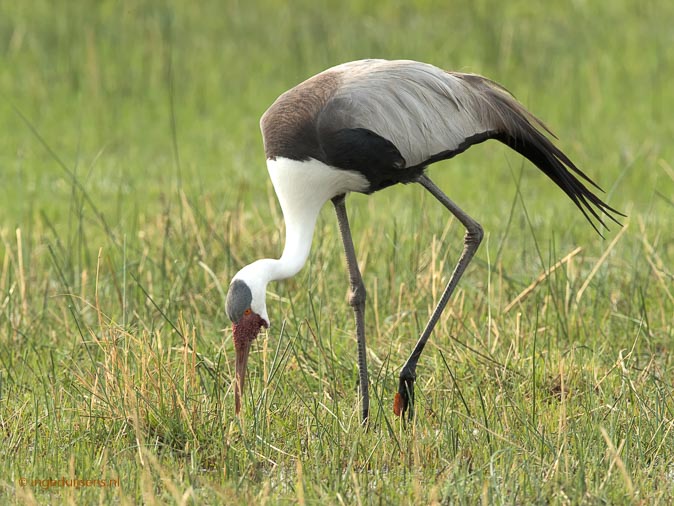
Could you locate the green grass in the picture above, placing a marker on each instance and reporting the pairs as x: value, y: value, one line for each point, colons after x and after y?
x: 133, y: 186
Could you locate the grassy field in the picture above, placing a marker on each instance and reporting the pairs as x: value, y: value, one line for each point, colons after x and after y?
x: 133, y: 186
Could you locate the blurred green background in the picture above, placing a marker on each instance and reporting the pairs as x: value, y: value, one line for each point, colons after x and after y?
x: 133, y: 186
x: 97, y: 80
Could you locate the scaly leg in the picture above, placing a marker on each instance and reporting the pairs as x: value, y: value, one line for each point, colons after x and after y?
x: 404, y: 399
x: 356, y: 300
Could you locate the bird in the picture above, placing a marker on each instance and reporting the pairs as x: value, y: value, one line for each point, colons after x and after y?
x: 364, y: 126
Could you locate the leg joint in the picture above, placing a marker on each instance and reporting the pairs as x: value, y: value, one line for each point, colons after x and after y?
x: 358, y: 295
x: 407, y: 374
x: 474, y: 234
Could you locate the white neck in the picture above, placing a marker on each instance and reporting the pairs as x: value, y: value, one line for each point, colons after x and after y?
x: 302, y: 187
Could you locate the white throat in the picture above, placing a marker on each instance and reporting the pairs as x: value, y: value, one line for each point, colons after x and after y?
x: 302, y: 188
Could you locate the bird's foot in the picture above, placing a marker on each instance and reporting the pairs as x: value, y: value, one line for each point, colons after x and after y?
x: 404, y: 398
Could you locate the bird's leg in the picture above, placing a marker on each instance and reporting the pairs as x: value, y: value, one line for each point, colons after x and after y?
x: 405, y: 396
x: 356, y: 301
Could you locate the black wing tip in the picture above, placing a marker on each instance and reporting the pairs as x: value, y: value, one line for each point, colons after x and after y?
x: 538, y: 149
x: 589, y: 198
x: 609, y: 212
x: 585, y: 200
x: 590, y: 204
x: 525, y: 133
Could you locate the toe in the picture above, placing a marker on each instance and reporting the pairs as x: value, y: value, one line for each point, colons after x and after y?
x: 399, y: 404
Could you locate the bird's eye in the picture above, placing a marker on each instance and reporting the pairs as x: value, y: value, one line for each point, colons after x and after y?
x: 247, y: 312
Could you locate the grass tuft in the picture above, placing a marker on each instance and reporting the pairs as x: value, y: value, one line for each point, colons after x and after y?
x: 133, y: 188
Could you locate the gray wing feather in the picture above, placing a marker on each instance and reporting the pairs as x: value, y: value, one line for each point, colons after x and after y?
x: 420, y: 108
x: 430, y: 114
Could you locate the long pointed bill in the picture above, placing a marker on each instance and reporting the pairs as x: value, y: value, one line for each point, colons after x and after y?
x: 243, y: 334
x: 242, y: 350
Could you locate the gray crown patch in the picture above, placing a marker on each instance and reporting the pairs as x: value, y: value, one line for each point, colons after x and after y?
x: 239, y: 298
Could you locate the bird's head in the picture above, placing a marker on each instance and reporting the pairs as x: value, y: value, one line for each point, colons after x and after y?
x: 246, y: 307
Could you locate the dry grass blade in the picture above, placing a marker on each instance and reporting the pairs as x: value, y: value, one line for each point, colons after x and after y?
x: 540, y: 279
x: 600, y: 262
x: 617, y: 460
x: 656, y: 263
